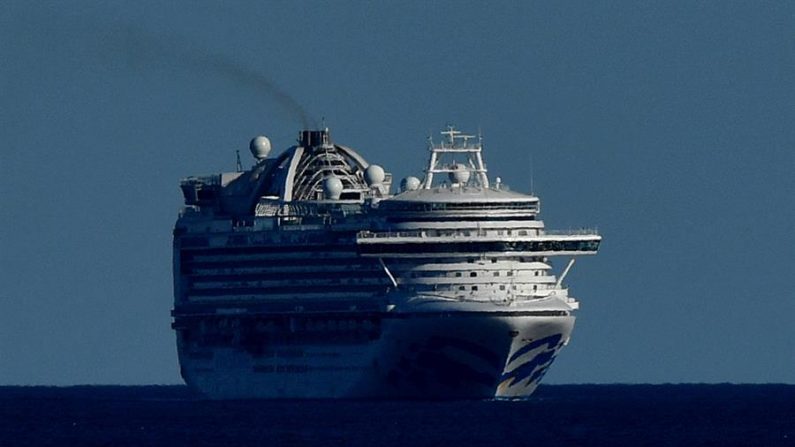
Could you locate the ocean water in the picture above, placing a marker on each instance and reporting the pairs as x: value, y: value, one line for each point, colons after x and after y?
x: 568, y: 415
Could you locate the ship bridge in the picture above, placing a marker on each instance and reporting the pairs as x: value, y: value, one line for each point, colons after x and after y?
x: 462, y: 202
x: 467, y: 242
x: 465, y: 215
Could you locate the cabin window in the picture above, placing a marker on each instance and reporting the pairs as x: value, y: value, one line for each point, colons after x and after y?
x: 474, y: 288
x: 473, y: 274
x: 457, y: 274
x: 493, y: 260
x: 510, y: 273
x: 461, y: 288
x: 496, y: 273
x: 502, y: 287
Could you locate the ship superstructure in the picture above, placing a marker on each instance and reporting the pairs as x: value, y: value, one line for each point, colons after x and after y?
x: 304, y: 277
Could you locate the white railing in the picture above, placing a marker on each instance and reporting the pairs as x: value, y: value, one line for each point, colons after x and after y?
x: 513, y: 233
x: 572, y: 232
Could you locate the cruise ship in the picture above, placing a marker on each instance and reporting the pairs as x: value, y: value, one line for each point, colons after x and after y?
x: 307, y: 277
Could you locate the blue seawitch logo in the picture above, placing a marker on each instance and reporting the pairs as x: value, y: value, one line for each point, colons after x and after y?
x: 532, y: 370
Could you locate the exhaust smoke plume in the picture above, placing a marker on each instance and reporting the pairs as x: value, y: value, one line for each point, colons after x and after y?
x: 146, y: 51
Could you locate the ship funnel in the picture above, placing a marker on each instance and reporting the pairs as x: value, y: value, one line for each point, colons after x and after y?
x: 312, y: 138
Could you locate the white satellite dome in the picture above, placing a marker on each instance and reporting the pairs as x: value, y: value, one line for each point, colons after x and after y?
x: 332, y: 187
x: 409, y: 183
x: 460, y: 174
x: 374, y: 175
x: 260, y: 147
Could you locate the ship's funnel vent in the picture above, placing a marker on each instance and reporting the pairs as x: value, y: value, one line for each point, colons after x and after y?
x: 312, y: 138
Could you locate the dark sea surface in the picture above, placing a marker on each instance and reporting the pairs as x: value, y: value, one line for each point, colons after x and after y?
x: 646, y: 415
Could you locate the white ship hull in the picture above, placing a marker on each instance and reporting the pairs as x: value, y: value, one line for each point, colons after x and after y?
x: 494, y: 351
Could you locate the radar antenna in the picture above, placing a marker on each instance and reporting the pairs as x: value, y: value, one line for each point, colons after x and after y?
x: 456, y: 143
x: 532, y: 172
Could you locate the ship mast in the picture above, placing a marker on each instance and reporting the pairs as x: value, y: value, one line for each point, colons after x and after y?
x: 456, y: 143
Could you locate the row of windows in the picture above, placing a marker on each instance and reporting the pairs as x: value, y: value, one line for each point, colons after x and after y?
x: 473, y: 288
x: 212, y: 288
x: 480, y: 247
x: 232, y: 266
x: 479, y: 218
x: 446, y: 233
x: 502, y: 287
x: 442, y: 274
x: 274, y: 248
x: 193, y: 264
x: 348, y: 288
x: 456, y: 206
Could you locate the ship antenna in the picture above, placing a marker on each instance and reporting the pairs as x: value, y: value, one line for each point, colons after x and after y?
x: 532, y: 188
x: 239, y: 163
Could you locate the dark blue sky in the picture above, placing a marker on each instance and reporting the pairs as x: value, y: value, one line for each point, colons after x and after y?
x: 667, y: 125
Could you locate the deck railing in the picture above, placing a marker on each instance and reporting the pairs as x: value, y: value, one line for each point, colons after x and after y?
x: 473, y: 233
